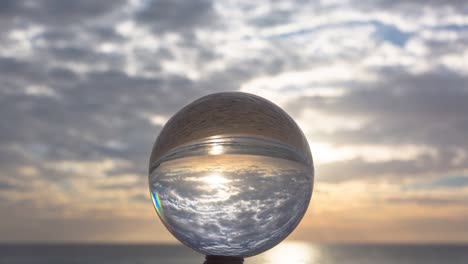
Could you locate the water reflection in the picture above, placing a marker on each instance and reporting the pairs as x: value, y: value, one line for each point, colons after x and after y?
x: 292, y: 253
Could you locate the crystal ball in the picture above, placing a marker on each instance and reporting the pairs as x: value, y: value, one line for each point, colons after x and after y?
x: 231, y: 174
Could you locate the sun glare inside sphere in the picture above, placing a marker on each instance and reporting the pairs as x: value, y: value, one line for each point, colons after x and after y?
x: 216, y: 149
x: 231, y: 174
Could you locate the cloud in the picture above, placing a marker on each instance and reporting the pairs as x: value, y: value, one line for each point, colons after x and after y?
x: 391, y: 170
x: 400, y: 108
x: 396, y: 109
x: 415, y: 3
x: 444, y: 182
x: 428, y: 201
x: 5, y: 186
x: 84, y: 83
x: 55, y: 12
x: 176, y: 16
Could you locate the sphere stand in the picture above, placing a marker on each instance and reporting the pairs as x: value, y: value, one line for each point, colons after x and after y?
x: 210, y: 259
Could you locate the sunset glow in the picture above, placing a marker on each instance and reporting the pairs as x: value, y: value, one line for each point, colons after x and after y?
x: 379, y: 89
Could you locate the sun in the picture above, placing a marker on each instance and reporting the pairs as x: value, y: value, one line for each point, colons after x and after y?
x: 215, y: 179
x: 216, y: 149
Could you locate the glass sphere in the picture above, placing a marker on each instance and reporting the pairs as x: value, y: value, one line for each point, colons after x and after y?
x: 231, y: 174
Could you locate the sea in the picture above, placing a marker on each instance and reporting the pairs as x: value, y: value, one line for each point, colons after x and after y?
x: 284, y: 253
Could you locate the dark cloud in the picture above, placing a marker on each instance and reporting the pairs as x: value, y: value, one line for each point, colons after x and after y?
x: 141, y: 198
x: 95, y: 115
x: 6, y: 186
x: 9, y: 7
x: 77, y: 54
x: 401, y: 108
x: 82, y: 35
x: 14, y: 69
x: 439, y: 225
x: 121, y: 187
x: 391, y: 170
x: 88, y: 115
x: 56, y: 12
x: 177, y: 16
x: 280, y: 17
x: 412, y: 4
x: 428, y: 201
x: 438, y: 183
x: 274, y: 13
x: 18, y: 225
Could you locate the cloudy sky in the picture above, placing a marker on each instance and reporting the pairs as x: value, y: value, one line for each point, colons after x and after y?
x: 380, y: 88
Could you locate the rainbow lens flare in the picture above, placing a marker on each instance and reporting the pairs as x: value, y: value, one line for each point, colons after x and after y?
x: 157, y: 202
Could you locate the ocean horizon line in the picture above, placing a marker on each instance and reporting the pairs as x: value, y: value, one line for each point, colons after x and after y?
x: 144, y: 243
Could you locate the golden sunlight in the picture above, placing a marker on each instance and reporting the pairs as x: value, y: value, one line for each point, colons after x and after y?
x: 215, y: 180
x: 216, y: 149
x: 292, y: 252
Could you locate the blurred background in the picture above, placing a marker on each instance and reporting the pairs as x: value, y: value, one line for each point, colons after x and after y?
x: 380, y: 88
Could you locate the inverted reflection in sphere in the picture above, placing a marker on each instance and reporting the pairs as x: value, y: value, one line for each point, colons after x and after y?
x: 231, y: 174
